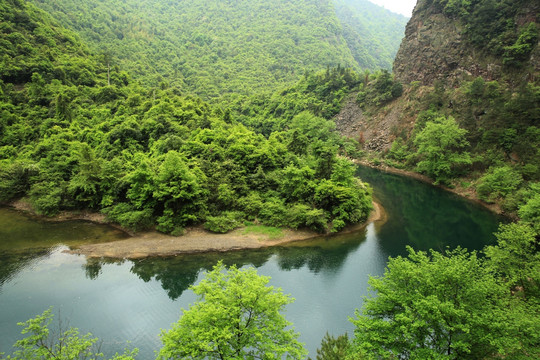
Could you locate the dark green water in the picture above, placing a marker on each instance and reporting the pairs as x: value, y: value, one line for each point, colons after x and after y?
x: 120, y: 301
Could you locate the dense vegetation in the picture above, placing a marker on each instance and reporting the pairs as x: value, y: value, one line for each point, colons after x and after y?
x: 319, y: 93
x: 212, y: 48
x: 79, y: 135
x: 474, y: 133
x: 488, y: 139
x: 372, y: 33
x: 78, y: 132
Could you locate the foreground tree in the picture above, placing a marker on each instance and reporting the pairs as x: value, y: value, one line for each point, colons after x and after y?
x: 439, y: 307
x: 333, y: 348
x: 237, y: 316
x: 516, y: 260
x: 43, y: 343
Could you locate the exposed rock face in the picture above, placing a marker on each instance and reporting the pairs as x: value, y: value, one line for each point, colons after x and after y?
x: 436, y: 47
x: 375, y: 132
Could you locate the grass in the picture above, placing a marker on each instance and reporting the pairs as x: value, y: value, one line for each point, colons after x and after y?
x: 270, y: 231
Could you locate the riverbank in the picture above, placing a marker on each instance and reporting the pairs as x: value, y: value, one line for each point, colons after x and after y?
x: 197, y: 240
x: 467, y: 193
x: 194, y: 240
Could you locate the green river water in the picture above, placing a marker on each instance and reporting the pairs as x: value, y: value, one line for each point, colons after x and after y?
x: 121, y: 301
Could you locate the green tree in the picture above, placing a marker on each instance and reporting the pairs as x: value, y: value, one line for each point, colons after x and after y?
x: 435, y: 306
x: 41, y: 342
x: 498, y: 182
x: 177, y: 189
x: 530, y: 211
x: 237, y: 316
x: 440, y: 149
x: 516, y: 259
x: 333, y: 348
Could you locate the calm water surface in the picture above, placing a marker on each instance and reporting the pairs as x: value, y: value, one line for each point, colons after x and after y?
x: 121, y: 301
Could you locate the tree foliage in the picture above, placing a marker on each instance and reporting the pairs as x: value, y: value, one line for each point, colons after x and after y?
x: 435, y: 306
x: 494, y: 27
x: 373, y: 34
x: 382, y: 89
x: 42, y: 342
x: 333, y: 348
x: 516, y: 259
x: 498, y: 182
x: 151, y: 157
x: 237, y: 316
x: 219, y: 47
x: 440, y: 149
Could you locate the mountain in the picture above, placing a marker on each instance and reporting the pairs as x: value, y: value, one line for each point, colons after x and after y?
x: 216, y: 47
x: 31, y: 42
x: 463, y: 103
x: 373, y: 34
x: 456, y: 40
x: 79, y: 134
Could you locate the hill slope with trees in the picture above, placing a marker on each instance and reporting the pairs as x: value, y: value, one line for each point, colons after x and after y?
x: 468, y: 116
x: 77, y: 134
x: 373, y: 34
x: 212, y: 48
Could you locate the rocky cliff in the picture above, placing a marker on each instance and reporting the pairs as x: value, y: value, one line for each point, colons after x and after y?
x: 454, y: 40
x: 447, y: 45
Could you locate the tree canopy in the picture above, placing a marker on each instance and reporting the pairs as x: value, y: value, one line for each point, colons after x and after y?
x: 221, y: 47
x: 443, y: 306
x: 152, y: 157
x: 236, y: 316
x: 46, y: 343
x: 440, y: 148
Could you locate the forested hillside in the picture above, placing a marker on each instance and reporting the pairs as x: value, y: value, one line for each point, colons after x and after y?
x: 213, y: 47
x: 468, y: 116
x: 101, y: 110
x: 372, y: 33
x: 77, y: 134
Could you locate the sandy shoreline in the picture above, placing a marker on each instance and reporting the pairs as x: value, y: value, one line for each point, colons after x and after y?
x: 197, y: 240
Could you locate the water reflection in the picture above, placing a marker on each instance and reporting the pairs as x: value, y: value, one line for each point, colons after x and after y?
x: 121, y: 301
x: 22, y: 232
x: 425, y: 217
x: 177, y: 273
x: 321, y: 255
x: 13, y: 262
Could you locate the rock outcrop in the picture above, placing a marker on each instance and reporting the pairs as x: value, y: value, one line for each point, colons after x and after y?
x: 436, y: 47
x: 375, y: 131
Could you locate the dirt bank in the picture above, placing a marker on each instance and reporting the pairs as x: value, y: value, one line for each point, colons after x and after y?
x: 197, y: 240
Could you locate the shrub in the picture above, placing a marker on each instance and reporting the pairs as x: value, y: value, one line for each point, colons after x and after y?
x: 441, y: 146
x: 223, y: 223
x: 316, y: 220
x: 15, y: 180
x: 398, y: 150
x: 274, y: 213
x: 130, y: 218
x: 296, y: 215
x: 530, y: 212
x: 498, y: 182
x: 46, y: 197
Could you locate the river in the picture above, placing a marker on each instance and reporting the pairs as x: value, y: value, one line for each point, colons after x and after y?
x: 121, y: 301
